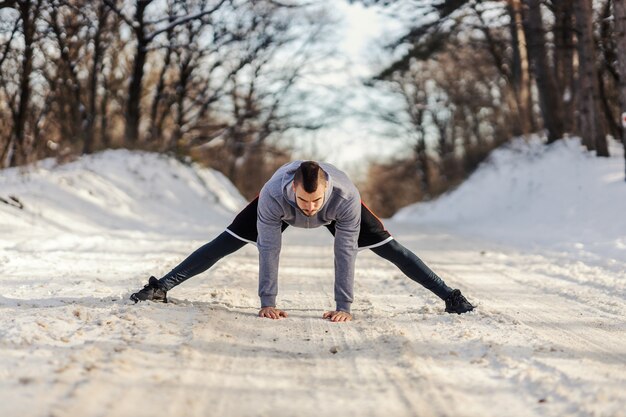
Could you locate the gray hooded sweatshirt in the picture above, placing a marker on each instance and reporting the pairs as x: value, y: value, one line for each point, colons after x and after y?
x: 277, y: 204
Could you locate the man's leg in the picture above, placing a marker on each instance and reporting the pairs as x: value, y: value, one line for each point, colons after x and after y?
x: 241, y: 231
x: 375, y: 237
x: 413, y: 267
x: 201, y: 260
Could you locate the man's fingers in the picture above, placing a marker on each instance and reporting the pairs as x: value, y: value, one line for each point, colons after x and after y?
x: 342, y: 317
x: 337, y: 316
x: 272, y: 313
x: 334, y: 316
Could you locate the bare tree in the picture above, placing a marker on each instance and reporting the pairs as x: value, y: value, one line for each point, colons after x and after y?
x: 520, y: 71
x: 145, y: 32
x: 591, y: 120
x: 196, y: 86
x: 263, y: 102
x: 79, y: 34
x: 453, y: 119
x: 7, y: 97
x: 619, y: 13
x: 564, y: 51
x: 197, y: 72
x: 17, y: 148
x: 160, y: 104
x: 608, y: 73
x: 65, y: 21
x: 551, y: 105
x: 100, y: 43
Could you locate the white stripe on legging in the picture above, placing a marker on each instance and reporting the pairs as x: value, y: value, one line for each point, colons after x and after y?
x: 239, y: 237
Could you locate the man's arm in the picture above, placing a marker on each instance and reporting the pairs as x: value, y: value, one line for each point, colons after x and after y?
x: 346, y: 248
x: 269, y: 222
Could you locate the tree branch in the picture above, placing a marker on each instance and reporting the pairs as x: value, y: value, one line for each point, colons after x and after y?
x: 8, y: 3
x: 288, y: 6
x: 183, y: 20
x: 118, y: 12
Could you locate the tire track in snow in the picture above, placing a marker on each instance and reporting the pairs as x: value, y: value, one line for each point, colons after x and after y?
x: 574, y: 343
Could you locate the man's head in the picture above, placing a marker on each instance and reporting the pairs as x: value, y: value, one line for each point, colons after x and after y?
x: 309, y: 184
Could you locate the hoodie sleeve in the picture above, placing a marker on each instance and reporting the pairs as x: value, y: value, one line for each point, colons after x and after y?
x: 346, y: 248
x: 269, y: 244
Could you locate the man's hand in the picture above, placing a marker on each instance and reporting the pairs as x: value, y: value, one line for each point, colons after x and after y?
x: 337, y: 316
x: 272, y: 313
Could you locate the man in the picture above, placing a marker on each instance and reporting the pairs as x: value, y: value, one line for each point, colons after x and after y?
x: 306, y: 194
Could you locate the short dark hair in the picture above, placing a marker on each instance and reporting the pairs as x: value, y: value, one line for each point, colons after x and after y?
x: 309, y: 174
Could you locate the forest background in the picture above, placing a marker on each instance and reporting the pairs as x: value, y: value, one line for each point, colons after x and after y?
x: 244, y: 86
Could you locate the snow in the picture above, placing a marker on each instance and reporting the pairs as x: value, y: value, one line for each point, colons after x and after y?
x: 535, y: 238
x: 558, y: 197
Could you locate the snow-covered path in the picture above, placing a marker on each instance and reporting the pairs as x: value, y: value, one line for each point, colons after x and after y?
x: 540, y: 343
x: 548, y: 337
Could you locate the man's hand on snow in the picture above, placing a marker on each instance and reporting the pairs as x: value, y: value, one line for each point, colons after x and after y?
x: 337, y: 316
x: 272, y: 313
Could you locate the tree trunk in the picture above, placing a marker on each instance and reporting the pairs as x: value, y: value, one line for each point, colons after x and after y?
x: 77, y: 114
x: 619, y: 14
x: 608, y: 78
x: 105, y: 137
x: 28, y: 13
x: 156, y: 120
x: 133, y: 112
x: 96, y: 65
x: 564, y: 59
x: 591, y: 119
x: 520, y: 73
x: 551, y: 104
x: 181, y: 91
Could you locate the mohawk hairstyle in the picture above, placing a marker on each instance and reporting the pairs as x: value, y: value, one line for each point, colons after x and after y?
x: 309, y: 174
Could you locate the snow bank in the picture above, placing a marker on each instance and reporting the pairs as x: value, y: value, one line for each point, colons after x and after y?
x: 117, y: 190
x: 560, y: 197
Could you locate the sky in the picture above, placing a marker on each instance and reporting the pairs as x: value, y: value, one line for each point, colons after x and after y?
x: 360, y: 35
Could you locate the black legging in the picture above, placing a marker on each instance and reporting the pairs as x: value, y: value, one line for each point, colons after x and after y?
x: 413, y: 267
x: 225, y: 244
x: 201, y: 260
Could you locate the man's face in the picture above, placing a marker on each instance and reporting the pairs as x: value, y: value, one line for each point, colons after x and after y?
x: 309, y: 203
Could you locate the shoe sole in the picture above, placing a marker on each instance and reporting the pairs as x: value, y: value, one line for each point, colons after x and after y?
x: 136, y: 299
x: 457, y: 312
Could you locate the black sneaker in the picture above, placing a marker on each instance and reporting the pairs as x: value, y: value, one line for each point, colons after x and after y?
x: 456, y: 303
x: 151, y: 291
